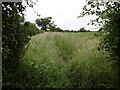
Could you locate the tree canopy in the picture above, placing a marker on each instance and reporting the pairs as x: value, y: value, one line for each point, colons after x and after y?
x: 47, y: 24
x: 44, y: 23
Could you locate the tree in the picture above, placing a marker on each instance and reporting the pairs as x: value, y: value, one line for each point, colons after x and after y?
x: 47, y: 25
x: 14, y: 40
x: 82, y: 30
x: 58, y: 29
x: 13, y: 36
x: 54, y: 28
x: 109, y: 20
x: 44, y: 23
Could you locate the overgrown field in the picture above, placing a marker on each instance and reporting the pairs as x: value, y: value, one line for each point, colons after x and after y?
x: 61, y: 60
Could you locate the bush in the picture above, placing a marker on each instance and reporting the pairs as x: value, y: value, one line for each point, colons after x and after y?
x: 42, y: 31
x: 82, y: 30
x: 93, y: 72
x: 30, y: 28
x: 15, y: 38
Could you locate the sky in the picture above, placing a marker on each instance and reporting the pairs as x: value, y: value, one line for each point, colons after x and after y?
x: 63, y: 12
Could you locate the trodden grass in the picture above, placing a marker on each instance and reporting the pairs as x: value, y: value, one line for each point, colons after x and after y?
x: 60, y: 60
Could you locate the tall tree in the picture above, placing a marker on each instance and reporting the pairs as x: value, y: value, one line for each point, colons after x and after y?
x: 82, y: 29
x: 44, y: 23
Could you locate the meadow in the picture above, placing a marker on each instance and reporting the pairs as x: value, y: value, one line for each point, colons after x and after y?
x: 66, y: 60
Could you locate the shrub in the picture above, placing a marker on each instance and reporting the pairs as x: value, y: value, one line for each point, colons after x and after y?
x: 30, y: 28
x: 15, y: 38
x: 93, y: 71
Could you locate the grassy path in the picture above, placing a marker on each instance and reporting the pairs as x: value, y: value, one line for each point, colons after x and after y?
x: 67, y: 60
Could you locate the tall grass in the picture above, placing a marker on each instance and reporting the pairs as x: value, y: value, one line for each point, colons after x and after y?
x: 66, y: 46
x: 66, y: 60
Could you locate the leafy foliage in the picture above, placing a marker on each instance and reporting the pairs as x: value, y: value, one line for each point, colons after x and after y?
x: 44, y: 23
x: 53, y: 28
x: 47, y: 25
x: 109, y: 20
x: 30, y: 28
x: 83, y: 30
x: 15, y: 37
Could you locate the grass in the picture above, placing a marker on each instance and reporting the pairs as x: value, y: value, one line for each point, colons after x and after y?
x: 61, y: 60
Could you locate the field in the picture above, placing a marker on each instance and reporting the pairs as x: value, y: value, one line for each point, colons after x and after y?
x: 66, y: 60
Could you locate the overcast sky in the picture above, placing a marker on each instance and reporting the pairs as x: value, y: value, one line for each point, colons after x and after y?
x: 63, y: 12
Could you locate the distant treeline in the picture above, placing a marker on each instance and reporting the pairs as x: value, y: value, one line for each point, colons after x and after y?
x: 80, y: 30
x: 46, y: 24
